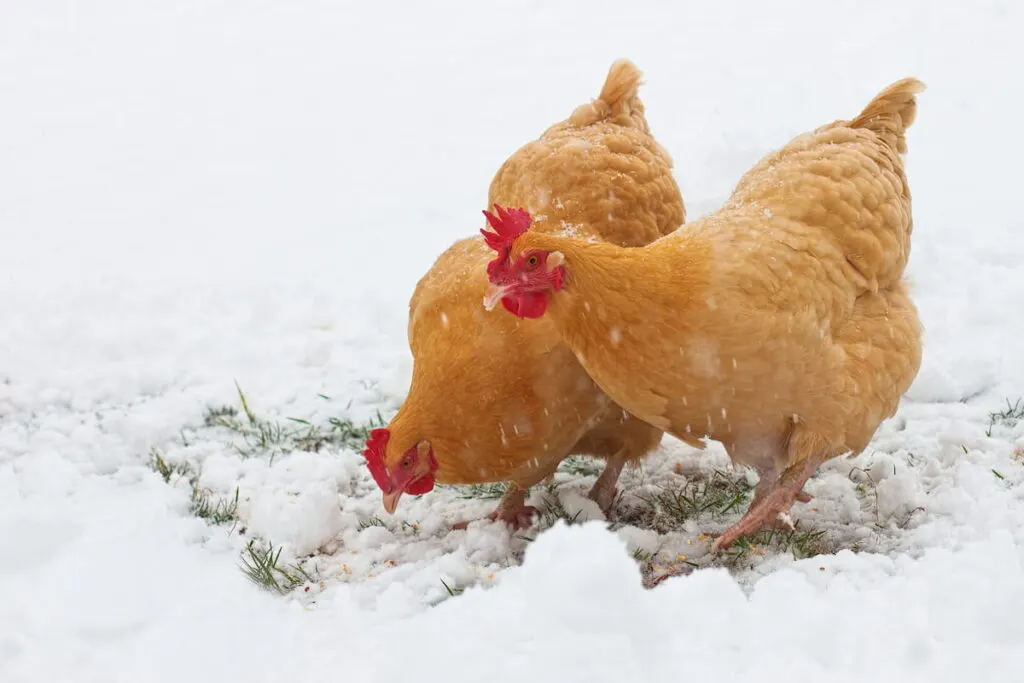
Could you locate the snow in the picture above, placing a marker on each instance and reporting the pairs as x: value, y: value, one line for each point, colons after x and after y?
x: 195, y: 193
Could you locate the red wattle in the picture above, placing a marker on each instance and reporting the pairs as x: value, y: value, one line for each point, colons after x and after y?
x: 421, y: 486
x: 530, y: 305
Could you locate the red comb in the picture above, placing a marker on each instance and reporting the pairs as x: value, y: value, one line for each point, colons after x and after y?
x: 374, y: 454
x: 507, y: 225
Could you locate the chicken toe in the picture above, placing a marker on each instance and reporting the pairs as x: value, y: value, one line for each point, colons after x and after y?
x: 515, y: 517
x: 511, y: 509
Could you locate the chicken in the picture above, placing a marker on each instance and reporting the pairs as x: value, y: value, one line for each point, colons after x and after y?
x: 496, y: 399
x: 780, y: 325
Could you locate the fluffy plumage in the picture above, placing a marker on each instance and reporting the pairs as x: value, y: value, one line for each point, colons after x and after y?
x: 780, y: 325
x: 499, y: 399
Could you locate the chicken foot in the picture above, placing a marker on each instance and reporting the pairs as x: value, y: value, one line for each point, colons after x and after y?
x: 511, y: 509
x: 772, y: 500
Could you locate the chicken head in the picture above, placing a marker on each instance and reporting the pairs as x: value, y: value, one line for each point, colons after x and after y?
x: 413, y: 473
x: 522, y: 285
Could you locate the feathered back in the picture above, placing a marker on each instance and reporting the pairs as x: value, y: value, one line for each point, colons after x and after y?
x: 599, y: 174
x: 845, y: 181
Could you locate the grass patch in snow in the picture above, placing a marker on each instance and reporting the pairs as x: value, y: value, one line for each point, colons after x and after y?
x: 716, y: 494
x: 260, y: 559
x: 262, y: 436
x: 202, y: 502
x: 490, y: 491
x: 223, y: 416
x: 1007, y: 417
x: 262, y: 565
x: 372, y: 521
x: 576, y: 465
x: 552, y: 510
x: 215, y: 510
x: 168, y: 470
x: 799, y: 544
x: 581, y: 466
x: 867, y: 490
x: 673, y: 504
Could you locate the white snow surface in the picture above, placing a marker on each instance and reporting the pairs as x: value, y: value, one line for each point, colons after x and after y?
x: 194, y: 193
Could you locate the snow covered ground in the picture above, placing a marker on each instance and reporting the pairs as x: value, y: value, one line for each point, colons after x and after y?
x: 197, y: 193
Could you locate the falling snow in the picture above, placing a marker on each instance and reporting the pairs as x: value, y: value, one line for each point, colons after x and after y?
x: 201, y: 193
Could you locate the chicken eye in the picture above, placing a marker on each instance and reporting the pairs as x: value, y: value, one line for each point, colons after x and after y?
x: 532, y: 261
x: 406, y: 463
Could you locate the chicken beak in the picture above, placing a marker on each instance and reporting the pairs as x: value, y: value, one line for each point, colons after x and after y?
x: 495, y: 293
x: 390, y: 500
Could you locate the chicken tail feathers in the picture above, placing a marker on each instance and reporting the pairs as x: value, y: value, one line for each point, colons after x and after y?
x: 620, y: 87
x: 618, y: 100
x: 892, y: 112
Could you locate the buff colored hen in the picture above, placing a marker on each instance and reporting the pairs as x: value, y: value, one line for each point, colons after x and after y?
x: 494, y: 398
x: 780, y: 325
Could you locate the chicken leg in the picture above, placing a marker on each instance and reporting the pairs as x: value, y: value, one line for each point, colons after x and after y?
x: 768, y: 479
x: 772, y: 499
x: 604, y: 492
x: 512, y: 508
